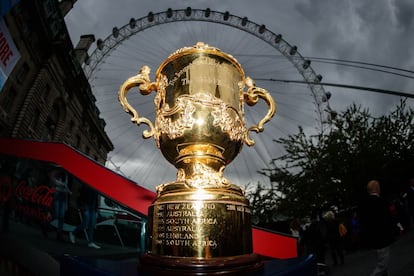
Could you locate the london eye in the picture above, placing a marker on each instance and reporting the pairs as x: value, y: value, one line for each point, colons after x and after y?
x: 264, y: 55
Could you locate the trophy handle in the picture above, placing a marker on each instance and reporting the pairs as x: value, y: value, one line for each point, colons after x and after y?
x: 251, y: 97
x: 145, y: 86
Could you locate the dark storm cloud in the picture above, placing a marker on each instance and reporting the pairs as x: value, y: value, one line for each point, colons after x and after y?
x: 352, y: 30
x: 404, y: 13
x: 367, y: 31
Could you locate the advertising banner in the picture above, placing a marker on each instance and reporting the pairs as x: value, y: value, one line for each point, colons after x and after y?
x: 9, y: 55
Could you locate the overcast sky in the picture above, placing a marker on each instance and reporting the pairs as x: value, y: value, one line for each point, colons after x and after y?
x: 371, y: 31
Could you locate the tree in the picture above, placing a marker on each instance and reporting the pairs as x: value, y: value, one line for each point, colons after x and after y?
x: 330, y: 171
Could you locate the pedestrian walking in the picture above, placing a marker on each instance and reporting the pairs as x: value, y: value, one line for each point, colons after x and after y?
x: 377, y: 227
x: 59, y: 179
x: 334, y: 238
x: 88, y: 205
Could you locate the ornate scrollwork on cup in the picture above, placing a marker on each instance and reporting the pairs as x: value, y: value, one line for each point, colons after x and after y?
x: 185, y: 108
x: 205, y: 177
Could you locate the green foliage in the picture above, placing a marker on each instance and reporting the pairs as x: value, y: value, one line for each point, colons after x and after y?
x: 330, y: 171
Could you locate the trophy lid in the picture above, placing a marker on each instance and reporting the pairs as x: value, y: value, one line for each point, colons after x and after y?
x: 201, y: 48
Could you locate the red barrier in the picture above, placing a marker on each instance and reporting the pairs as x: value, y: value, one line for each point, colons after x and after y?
x: 274, y: 245
x: 125, y: 191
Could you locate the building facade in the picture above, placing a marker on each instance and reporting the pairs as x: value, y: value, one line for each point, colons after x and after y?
x: 45, y: 95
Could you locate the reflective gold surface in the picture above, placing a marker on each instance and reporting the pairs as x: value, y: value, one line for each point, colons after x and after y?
x: 199, y: 128
x: 201, y: 223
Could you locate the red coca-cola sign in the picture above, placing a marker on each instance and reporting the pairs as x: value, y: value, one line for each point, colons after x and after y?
x: 41, y: 195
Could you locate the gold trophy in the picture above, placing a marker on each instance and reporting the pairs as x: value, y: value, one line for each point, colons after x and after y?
x: 200, y: 223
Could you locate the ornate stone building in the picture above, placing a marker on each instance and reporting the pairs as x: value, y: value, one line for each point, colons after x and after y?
x: 46, y: 95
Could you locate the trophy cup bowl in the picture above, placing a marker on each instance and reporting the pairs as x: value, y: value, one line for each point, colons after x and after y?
x: 201, y: 222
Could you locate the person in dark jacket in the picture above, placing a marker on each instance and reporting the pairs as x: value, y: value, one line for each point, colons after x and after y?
x: 377, y: 227
x: 314, y: 239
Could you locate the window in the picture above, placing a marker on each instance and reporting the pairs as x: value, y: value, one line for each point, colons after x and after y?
x: 22, y: 73
x: 8, y: 99
x: 49, y: 7
x: 46, y: 93
x: 78, y: 141
x: 34, y: 120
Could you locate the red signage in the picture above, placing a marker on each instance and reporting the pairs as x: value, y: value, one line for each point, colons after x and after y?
x: 40, y: 195
x: 34, y: 201
x: 9, y: 55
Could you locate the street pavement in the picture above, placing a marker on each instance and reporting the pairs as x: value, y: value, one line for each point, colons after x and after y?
x: 39, y: 252
x: 27, y: 246
x: 32, y: 236
x: 362, y: 263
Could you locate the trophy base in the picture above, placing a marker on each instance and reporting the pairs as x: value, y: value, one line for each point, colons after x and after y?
x: 199, y: 223
x: 188, y: 266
